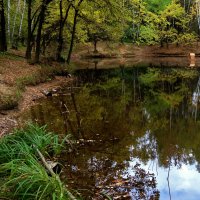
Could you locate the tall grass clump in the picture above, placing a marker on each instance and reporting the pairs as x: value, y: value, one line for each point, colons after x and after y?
x: 23, y: 173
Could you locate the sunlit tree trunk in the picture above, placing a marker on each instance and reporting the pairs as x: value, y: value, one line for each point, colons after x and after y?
x: 21, y: 20
x: 14, y: 21
x: 3, y: 44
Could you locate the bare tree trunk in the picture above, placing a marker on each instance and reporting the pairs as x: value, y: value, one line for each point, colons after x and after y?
x: 73, y: 31
x: 29, y: 37
x: 3, y: 44
x: 72, y: 37
x: 95, y: 46
x: 39, y: 30
x: 62, y: 23
x: 21, y: 20
x: 14, y: 21
x: 39, y: 33
x: 8, y: 14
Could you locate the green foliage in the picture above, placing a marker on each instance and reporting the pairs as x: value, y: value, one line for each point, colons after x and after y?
x: 150, y: 78
x: 157, y: 6
x: 186, y: 38
x: 148, y: 35
x: 160, y: 22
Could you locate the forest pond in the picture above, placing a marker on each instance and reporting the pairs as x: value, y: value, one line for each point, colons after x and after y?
x: 137, y: 129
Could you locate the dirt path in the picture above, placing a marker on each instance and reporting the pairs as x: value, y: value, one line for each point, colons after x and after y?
x: 8, y: 119
x: 22, y: 83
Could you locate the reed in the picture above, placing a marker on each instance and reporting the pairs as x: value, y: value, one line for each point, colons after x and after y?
x: 22, y: 173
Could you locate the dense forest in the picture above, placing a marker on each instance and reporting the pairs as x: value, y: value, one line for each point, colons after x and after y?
x: 39, y: 25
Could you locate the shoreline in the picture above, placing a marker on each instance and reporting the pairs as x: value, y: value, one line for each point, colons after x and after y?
x: 8, y: 118
x: 26, y: 82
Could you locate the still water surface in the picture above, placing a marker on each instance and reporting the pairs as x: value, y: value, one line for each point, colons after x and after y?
x: 141, y: 130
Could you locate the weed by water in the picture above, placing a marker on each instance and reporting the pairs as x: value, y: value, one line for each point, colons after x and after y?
x: 22, y: 174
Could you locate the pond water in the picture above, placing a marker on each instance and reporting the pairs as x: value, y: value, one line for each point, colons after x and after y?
x: 139, y: 131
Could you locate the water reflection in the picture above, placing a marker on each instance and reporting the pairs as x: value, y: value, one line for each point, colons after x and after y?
x: 139, y: 130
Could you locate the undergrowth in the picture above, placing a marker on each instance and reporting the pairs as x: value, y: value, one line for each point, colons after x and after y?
x: 22, y: 172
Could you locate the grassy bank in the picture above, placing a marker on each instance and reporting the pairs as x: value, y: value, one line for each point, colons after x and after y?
x: 24, y: 171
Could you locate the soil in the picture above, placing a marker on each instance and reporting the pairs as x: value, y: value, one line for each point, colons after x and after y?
x: 14, y: 67
x: 8, y: 118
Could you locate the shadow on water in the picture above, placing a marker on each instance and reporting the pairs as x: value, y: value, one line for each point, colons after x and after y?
x: 137, y: 130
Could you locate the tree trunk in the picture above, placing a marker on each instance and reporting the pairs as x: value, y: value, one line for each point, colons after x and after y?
x: 3, y: 44
x: 95, y: 46
x: 14, y: 23
x: 21, y: 20
x: 29, y: 37
x: 39, y: 30
x: 72, y: 37
x: 44, y: 44
x: 8, y: 14
x: 60, y: 39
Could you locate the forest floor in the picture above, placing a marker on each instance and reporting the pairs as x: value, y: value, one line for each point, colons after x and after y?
x: 21, y: 84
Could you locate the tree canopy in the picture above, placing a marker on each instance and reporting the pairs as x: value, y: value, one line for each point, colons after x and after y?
x: 40, y: 24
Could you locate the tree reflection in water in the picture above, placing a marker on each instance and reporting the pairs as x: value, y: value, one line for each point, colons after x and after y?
x: 140, y: 186
x: 137, y: 113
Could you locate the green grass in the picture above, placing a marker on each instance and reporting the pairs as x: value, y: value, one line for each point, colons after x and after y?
x: 46, y: 73
x: 10, y: 56
x: 22, y: 174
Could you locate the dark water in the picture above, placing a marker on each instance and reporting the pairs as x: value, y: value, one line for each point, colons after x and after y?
x: 141, y: 130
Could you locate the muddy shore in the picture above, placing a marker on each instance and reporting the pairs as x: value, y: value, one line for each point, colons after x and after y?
x: 8, y: 118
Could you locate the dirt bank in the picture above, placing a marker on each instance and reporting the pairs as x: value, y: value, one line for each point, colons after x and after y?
x: 8, y: 118
x: 21, y: 84
x: 110, y: 50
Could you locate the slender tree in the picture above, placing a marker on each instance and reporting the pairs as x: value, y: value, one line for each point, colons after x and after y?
x: 61, y: 28
x: 39, y: 30
x: 14, y: 22
x: 29, y: 36
x: 21, y: 20
x: 8, y: 18
x: 3, y: 44
x: 76, y: 13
